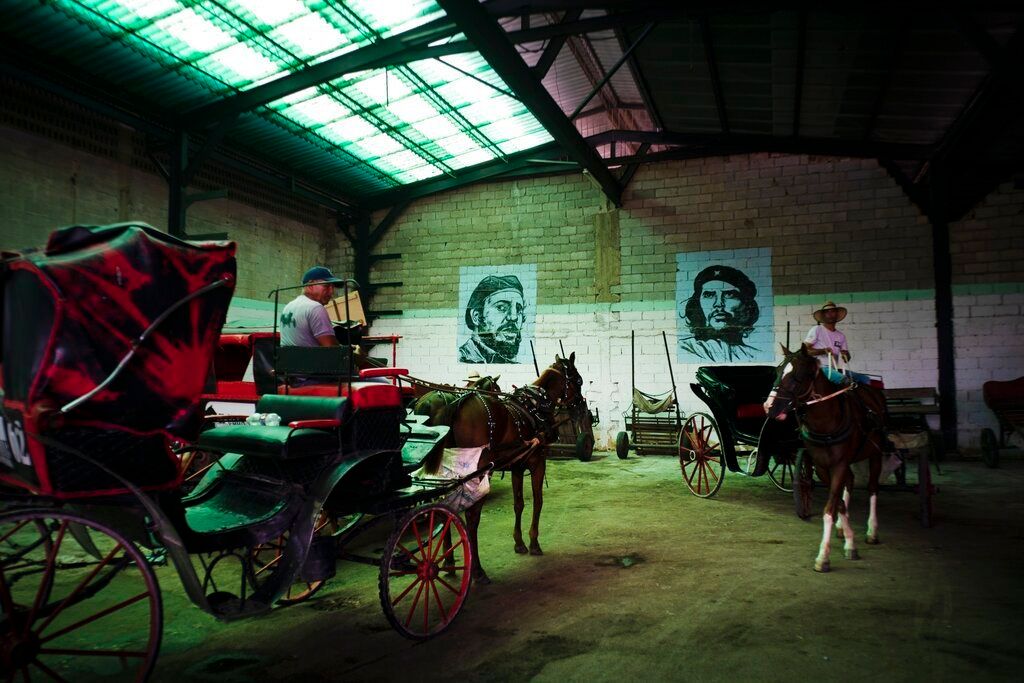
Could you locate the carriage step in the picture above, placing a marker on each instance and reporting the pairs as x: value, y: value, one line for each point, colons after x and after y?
x: 228, y: 606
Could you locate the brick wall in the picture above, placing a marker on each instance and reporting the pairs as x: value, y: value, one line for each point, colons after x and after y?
x: 988, y: 288
x: 45, y: 185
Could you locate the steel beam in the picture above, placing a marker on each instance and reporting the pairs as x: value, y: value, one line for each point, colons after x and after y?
x: 547, y: 58
x: 481, y: 29
x: 711, y: 142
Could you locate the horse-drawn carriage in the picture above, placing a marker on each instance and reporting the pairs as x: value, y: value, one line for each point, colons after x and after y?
x: 737, y: 435
x: 107, y: 336
x: 1006, y: 401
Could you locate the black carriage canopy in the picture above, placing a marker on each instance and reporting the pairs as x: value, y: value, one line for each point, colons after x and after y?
x: 74, y: 310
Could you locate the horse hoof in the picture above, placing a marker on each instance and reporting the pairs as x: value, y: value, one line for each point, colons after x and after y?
x: 872, y: 540
x: 851, y: 554
x: 482, y: 580
x: 521, y: 549
x: 536, y: 551
x: 822, y: 567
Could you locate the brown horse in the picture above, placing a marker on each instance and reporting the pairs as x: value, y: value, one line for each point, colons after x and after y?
x: 512, y: 431
x: 436, y: 402
x: 840, y: 425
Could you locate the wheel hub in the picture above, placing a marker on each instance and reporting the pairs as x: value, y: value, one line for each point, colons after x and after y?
x: 427, y: 571
x: 18, y: 650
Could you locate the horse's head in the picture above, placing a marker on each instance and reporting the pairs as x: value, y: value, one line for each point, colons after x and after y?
x: 794, y: 386
x: 570, y: 393
x: 487, y: 383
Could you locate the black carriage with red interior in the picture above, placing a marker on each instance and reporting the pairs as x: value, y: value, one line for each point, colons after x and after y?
x: 107, y: 336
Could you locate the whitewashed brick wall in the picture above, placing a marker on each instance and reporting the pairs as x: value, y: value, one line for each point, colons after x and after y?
x: 893, y: 339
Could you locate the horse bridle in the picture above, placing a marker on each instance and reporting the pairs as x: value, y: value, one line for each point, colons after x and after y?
x: 563, y: 364
x: 799, y: 403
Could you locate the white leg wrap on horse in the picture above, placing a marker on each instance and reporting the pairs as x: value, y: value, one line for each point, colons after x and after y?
x: 873, y: 518
x: 821, y: 563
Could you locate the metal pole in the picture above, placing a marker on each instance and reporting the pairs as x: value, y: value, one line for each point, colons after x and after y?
x: 536, y: 368
x: 632, y: 362
x: 561, y: 347
x: 671, y: 376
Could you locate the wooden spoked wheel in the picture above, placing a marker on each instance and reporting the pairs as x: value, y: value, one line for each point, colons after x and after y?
x: 77, y: 601
x: 425, y: 573
x: 781, y: 473
x: 803, y: 484
x: 700, y: 455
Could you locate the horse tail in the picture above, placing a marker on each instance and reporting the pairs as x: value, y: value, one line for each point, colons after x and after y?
x: 432, y: 463
x: 446, y: 414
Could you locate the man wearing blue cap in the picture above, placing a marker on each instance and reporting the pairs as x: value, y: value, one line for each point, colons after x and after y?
x: 304, y: 321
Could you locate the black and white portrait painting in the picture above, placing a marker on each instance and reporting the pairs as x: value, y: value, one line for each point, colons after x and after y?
x: 724, y: 306
x: 498, y: 306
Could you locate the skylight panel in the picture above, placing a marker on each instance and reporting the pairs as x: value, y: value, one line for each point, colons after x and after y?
x: 239, y: 64
x: 143, y: 9
x: 524, y: 142
x: 458, y: 144
x: 437, y: 128
x: 309, y: 36
x: 377, y: 146
x: 464, y: 91
x: 347, y: 130
x: 317, y: 111
x: 395, y: 16
x: 496, y: 108
x: 272, y: 12
x: 413, y: 109
x: 471, y: 159
x: 382, y: 88
x: 399, y: 161
x: 195, y: 32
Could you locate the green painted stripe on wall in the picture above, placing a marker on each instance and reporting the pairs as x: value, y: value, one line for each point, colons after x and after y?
x: 989, y: 288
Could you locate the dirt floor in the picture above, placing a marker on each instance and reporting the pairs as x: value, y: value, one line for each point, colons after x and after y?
x: 642, y: 581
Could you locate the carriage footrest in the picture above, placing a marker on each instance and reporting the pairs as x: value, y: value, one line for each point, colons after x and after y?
x: 321, y: 561
x: 228, y: 606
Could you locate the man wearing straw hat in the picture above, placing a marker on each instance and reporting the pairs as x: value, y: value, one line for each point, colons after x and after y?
x: 829, y: 345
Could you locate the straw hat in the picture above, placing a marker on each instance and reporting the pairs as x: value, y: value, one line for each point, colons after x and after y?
x: 830, y: 306
x: 473, y: 375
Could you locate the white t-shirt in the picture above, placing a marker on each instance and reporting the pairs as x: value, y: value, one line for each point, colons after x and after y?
x: 821, y: 338
x: 302, y: 321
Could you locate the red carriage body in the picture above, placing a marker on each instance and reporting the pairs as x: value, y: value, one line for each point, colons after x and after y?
x: 76, y: 311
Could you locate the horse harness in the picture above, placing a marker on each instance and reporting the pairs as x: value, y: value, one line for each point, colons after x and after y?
x: 844, y: 432
x: 531, y: 409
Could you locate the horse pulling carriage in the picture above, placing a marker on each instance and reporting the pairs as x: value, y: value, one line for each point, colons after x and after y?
x: 107, y: 336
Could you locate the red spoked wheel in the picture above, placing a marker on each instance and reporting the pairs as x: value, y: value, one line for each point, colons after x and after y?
x: 425, y: 572
x: 77, y: 601
x: 266, y: 559
x: 700, y: 455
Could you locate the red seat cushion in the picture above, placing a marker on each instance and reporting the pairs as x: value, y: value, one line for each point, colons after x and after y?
x: 747, y: 411
x: 366, y: 395
x: 233, y: 391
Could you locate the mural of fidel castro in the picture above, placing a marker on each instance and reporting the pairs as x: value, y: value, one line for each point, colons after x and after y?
x: 495, y: 316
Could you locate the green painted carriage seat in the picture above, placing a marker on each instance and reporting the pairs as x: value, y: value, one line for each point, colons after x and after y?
x: 283, y: 442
